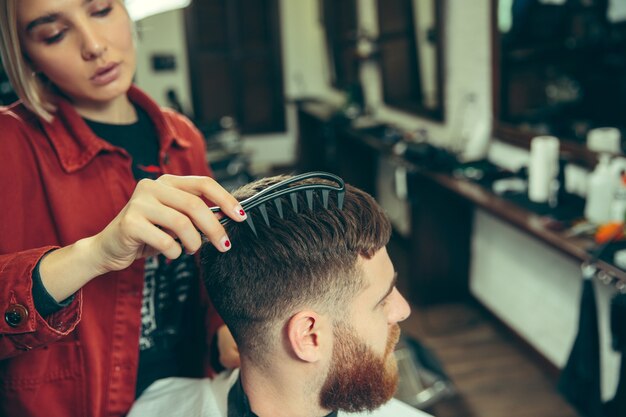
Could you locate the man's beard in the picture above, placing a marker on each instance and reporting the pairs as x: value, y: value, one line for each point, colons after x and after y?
x: 359, y: 379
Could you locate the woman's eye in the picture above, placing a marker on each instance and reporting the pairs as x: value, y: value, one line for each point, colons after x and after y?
x: 54, y: 38
x: 103, y: 12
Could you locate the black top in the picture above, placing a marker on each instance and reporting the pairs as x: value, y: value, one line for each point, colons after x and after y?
x: 239, y: 406
x: 167, y: 283
x: 139, y: 139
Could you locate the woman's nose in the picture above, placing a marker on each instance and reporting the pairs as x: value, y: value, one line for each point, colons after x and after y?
x: 93, y: 45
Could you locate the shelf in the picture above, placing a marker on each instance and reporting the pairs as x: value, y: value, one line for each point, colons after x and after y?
x: 577, y: 248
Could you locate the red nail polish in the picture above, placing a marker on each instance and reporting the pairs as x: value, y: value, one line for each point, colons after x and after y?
x: 227, y: 244
x: 242, y: 213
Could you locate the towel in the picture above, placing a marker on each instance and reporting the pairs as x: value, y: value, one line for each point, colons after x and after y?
x: 579, y: 381
x: 617, y: 406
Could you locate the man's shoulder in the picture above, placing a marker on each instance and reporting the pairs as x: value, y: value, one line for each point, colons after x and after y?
x: 393, y: 408
x: 182, y: 397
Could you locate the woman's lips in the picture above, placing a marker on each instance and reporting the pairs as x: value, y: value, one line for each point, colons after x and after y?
x: 106, y: 74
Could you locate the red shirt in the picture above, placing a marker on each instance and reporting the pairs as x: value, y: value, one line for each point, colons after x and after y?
x: 60, y: 183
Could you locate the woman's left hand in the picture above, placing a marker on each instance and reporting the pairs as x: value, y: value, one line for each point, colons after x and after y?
x: 227, y: 348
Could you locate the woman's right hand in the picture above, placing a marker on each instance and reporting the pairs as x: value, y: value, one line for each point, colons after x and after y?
x: 162, y: 216
x: 162, y: 213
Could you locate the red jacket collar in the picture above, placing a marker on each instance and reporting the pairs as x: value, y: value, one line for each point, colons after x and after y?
x: 76, y: 145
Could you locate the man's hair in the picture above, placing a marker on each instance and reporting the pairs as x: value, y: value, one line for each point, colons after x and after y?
x: 307, y: 259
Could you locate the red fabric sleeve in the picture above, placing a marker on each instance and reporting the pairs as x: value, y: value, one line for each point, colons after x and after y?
x: 16, y: 291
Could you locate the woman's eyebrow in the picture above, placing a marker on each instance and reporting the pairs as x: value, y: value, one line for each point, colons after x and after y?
x: 49, y: 18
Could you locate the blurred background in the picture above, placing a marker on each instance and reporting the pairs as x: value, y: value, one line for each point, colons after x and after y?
x: 492, y: 133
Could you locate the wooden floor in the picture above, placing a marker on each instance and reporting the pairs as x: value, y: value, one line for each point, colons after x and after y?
x: 493, y: 375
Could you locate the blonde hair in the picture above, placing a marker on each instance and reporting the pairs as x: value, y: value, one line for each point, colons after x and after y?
x: 30, y: 88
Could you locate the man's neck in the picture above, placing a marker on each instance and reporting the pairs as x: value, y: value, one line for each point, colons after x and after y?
x: 283, y: 392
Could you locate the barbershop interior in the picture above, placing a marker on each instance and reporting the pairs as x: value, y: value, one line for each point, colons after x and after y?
x: 491, y: 132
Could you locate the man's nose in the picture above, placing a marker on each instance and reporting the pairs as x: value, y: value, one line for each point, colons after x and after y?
x: 400, y: 308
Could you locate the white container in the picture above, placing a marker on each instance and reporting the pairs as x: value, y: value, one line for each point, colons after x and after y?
x: 600, y: 192
x: 618, y: 206
x: 604, y: 139
x: 543, y: 168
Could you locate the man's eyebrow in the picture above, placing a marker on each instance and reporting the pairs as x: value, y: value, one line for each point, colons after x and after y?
x: 391, y: 287
x: 48, y: 18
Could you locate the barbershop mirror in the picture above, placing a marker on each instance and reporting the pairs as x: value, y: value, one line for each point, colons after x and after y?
x: 559, y: 69
x: 339, y: 19
x: 410, y: 47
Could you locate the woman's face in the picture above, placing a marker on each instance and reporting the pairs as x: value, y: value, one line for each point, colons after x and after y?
x: 84, y: 47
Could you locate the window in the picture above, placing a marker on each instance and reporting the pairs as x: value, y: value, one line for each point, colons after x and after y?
x: 411, y: 60
x: 235, y: 63
x: 340, y: 23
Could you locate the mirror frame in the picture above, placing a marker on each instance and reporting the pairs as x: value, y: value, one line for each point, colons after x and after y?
x: 341, y: 77
x: 417, y: 108
x: 572, y: 151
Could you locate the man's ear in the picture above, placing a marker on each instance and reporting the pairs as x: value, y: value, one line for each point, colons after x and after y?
x: 306, y: 331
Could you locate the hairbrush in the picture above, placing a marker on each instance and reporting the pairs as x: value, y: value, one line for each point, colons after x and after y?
x: 286, y: 189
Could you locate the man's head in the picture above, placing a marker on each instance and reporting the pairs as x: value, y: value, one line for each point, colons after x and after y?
x: 318, y: 285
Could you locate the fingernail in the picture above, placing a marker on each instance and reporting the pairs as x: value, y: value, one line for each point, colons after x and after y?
x: 188, y: 251
x: 240, y: 212
x: 225, y: 243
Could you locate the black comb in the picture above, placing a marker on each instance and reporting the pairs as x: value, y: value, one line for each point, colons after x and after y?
x: 277, y: 191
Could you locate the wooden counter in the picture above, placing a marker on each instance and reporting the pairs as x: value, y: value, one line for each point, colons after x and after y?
x: 577, y: 248
x: 352, y: 154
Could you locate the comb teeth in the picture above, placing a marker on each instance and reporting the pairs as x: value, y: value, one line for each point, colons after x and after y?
x: 263, y: 210
x: 294, y: 202
x: 251, y: 224
x: 309, y: 199
x: 325, y: 194
x: 279, y: 206
x: 279, y: 190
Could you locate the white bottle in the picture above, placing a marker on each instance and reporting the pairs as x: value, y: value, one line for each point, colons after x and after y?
x: 600, y: 192
x: 618, y: 205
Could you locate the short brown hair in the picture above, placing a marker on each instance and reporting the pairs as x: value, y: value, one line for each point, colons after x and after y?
x: 307, y: 259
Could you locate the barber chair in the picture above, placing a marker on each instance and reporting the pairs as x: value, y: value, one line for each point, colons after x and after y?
x: 423, y: 381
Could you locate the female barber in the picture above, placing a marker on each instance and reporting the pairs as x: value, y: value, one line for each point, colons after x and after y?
x: 99, y: 220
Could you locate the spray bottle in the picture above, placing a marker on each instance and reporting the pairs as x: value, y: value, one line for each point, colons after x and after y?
x: 600, y: 192
x: 618, y: 204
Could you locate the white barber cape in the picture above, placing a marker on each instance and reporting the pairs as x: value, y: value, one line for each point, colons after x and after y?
x: 188, y: 397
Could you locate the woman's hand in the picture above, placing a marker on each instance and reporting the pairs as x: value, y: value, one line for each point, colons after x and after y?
x: 227, y: 348
x: 162, y: 213
x: 162, y: 216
